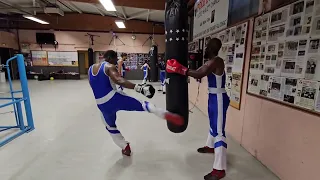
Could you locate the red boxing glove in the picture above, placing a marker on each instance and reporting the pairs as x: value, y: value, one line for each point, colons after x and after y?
x: 127, y: 69
x: 173, y: 66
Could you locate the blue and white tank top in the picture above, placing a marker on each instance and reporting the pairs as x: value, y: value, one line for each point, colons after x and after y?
x: 145, y: 67
x: 102, y: 86
x: 216, y: 83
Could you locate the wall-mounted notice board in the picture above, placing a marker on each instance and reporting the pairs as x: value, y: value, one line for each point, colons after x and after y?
x: 39, y: 58
x: 285, y: 56
x: 60, y: 58
x: 234, y: 41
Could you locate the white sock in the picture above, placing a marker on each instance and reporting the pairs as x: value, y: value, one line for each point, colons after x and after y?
x: 153, y: 109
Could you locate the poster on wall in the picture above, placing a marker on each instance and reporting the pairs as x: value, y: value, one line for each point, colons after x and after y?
x: 235, y: 93
x: 254, y: 83
x: 60, y: 58
x: 234, y: 41
x: 287, y: 60
x: 317, y: 104
x: 39, y: 58
x: 306, y: 93
x: 260, y: 29
x: 290, y: 90
x: 275, y: 87
x: 209, y: 17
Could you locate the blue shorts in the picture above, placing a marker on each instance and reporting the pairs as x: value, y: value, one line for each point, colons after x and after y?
x: 162, y: 76
x: 119, y: 102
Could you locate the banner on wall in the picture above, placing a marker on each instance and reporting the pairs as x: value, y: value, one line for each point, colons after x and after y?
x: 210, y: 16
x: 39, y: 58
x: 56, y: 58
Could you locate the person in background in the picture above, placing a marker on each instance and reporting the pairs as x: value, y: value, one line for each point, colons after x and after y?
x: 218, y: 104
x: 149, y: 72
x: 145, y: 67
x: 102, y: 78
x: 162, y: 67
x: 121, y: 66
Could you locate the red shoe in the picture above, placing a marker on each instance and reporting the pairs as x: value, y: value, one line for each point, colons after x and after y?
x: 206, y: 149
x: 215, y: 175
x: 127, y: 150
x: 174, y: 118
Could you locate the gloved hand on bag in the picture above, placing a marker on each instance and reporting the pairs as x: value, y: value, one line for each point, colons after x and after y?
x: 173, y: 66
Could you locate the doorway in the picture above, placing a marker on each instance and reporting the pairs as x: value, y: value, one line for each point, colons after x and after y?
x: 83, y: 62
x: 5, y: 54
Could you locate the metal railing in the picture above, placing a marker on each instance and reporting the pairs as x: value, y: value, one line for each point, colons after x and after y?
x: 16, y: 102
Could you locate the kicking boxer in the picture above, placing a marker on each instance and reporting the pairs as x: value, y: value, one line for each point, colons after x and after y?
x: 162, y: 67
x: 145, y: 67
x: 102, y: 78
x: 121, y: 67
x: 217, y: 105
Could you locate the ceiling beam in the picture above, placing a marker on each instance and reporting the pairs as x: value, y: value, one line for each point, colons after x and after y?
x: 89, y: 22
x: 100, y: 11
x: 148, y: 15
x: 14, y: 7
x: 123, y: 12
x: 139, y: 14
x: 25, y: 8
x: 145, y: 4
x: 72, y: 6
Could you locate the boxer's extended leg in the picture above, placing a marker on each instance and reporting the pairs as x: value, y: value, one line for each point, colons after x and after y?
x: 145, y: 76
x: 218, y: 105
x: 163, y: 81
x: 109, y: 120
x: 126, y: 103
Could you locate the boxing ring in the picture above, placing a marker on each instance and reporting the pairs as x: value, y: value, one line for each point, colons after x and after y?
x: 16, y: 101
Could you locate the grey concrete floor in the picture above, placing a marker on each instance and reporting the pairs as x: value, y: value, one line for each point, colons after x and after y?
x: 70, y: 142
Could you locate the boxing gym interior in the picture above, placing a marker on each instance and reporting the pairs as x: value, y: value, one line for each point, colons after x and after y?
x: 159, y: 89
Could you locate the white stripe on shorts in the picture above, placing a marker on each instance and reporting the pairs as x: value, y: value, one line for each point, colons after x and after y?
x: 106, y: 98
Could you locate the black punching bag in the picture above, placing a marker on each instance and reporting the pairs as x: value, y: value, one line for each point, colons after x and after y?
x: 176, y: 27
x: 153, y: 63
x: 90, y: 57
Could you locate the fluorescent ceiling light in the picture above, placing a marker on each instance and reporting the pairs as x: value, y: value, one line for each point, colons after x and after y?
x: 120, y: 24
x: 108, y: 5
x: 35, y: 19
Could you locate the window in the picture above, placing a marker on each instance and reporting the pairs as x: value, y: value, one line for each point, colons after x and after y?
x: 242, y: 9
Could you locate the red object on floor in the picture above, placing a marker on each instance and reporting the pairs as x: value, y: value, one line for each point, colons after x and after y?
x: 127, y: 150
x: 215, y: 175
x: 206, y: 149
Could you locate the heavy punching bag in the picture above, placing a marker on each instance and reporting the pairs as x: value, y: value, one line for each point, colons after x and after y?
x: 176, y: 29
x: 90, y: 57
x: 153, y: 63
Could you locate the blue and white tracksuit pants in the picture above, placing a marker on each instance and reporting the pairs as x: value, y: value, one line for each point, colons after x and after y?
x: 163, y: 80
x: 218, y: 104
x: 113, y: 102
x: 145, y: 76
